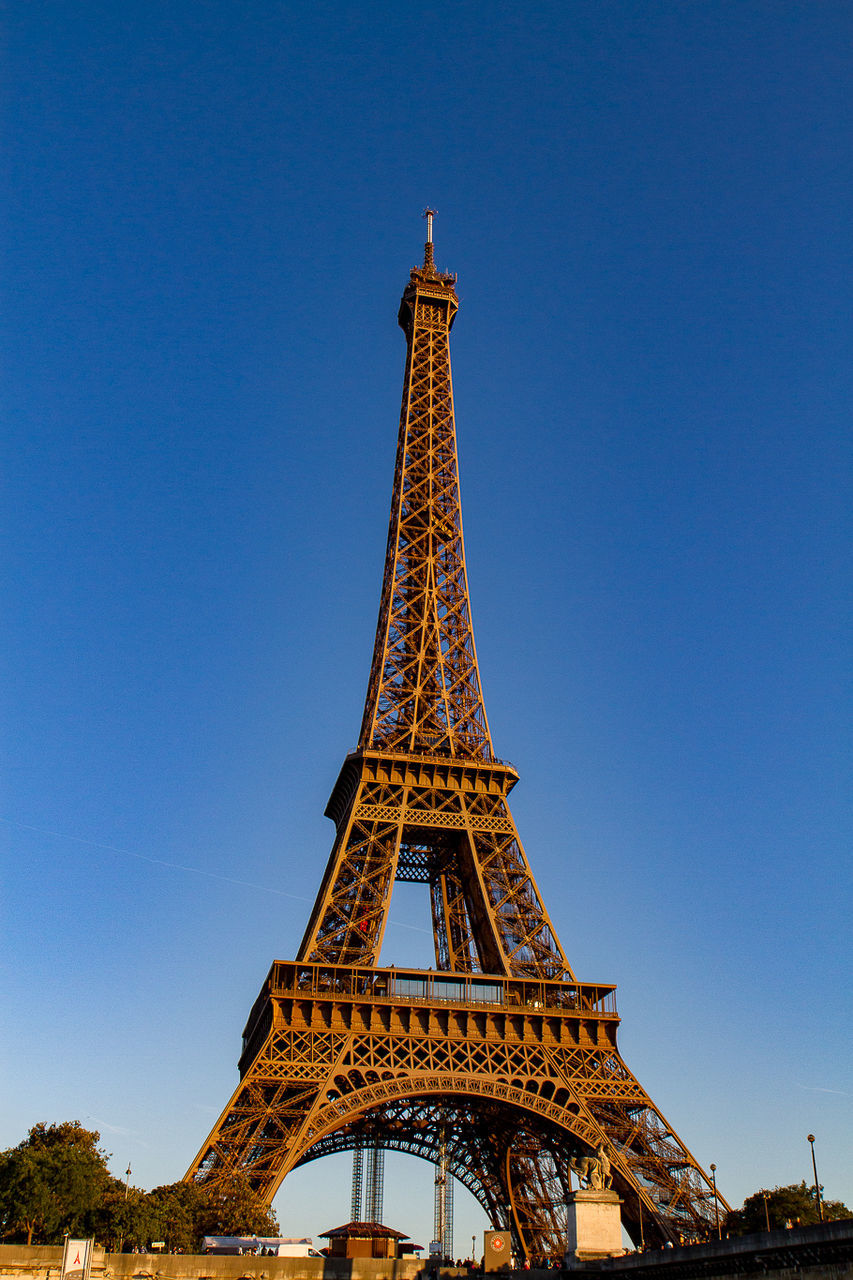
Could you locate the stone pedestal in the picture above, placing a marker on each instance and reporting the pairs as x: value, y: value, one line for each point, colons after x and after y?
x: 595, y: 1227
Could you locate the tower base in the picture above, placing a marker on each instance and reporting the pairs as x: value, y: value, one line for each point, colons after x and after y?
x: 594, y: 1227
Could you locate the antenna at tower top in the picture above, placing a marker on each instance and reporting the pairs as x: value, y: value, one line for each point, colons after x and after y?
x: 429, y: 261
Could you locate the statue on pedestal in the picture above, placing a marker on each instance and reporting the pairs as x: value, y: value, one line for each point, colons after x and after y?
x: 594, y: 1171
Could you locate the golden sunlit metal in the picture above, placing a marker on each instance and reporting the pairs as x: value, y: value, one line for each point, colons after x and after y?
x: 500, y: 1048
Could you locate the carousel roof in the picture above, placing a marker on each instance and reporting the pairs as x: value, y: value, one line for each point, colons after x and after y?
x: 363, y: 1231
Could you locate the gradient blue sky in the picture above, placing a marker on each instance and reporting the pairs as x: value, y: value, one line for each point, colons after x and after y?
x: 209, y: 212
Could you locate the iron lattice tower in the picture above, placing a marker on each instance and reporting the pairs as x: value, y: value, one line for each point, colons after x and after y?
x: 357, y: 1178
x: 500, y: 1048
x: 375, y: 1182
x: 442, y: 1227
x: 369, y: 1176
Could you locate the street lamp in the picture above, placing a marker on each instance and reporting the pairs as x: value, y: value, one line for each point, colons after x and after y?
x: 766, y: 1210
x: 810, y: 1137
x: 126, y: 1179
x: 713, y: 1168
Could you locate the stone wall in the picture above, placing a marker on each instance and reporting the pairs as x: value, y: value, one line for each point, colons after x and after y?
x: 822, y: 1252
x: 806, y: 1253
x: 44, y: 1262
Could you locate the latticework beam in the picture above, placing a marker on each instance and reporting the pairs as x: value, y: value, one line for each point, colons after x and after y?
x: 498, y: 1064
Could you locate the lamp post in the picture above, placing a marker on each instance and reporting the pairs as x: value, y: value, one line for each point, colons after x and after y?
x: 766, y: 1210
x: 713, y: 1168
x: 810, y: 1137
x: 126, y: 1179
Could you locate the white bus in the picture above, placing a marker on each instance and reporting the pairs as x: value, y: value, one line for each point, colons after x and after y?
x: 271, y: 1246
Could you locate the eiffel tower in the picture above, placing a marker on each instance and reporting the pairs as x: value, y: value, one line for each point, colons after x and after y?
x: 499, y: 1061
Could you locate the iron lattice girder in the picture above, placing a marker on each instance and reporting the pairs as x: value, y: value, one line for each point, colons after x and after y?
x: 382, y: 801
x: 424, y: 688
x: 480, y: 1135
x: 337, y: 1052
x: 327, y: 1047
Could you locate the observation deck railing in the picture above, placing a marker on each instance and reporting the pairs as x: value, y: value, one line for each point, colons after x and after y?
x: 436, y: 986
x: 393, y: 986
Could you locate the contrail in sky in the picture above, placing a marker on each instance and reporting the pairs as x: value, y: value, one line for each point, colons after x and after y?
x: 177, y: 866
x: 157, y: 862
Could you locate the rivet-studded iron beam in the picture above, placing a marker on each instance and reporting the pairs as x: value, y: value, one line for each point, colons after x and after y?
x: 500, y: 1047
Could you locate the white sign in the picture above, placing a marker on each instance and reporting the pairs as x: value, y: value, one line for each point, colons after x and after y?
x: 76, y: 1259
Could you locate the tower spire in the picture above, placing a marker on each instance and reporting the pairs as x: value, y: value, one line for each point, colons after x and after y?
x: 429, y: 258
x: 424, y: 688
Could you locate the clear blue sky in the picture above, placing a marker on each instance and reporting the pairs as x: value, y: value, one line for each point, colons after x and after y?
x: 209, y: 213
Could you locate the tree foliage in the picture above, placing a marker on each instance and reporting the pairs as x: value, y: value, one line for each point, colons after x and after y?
x: 125, y: 1218
x: 235, y: 1209
x: 188, y: 1212
x: 178, y: 1211
x: 57, y: 1181
x: 52, y: 1182
x: 791, y: 1206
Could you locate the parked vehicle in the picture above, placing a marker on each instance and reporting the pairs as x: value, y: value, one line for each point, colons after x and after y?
x: 271, y: 1246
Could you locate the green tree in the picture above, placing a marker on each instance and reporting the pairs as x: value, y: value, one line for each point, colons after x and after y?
x: 235, y: 1209
x: 52, y: 1182
x: 178, y: 1210
x: 188, y: 1211
x: 27, y: 1205
x: 794, y: 1205
x: 57, y: 1181
x: 125, y: 1217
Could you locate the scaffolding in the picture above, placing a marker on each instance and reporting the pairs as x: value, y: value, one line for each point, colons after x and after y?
x: 357, y: 1179
x: 374, y: 1184
x: 443, y: 1214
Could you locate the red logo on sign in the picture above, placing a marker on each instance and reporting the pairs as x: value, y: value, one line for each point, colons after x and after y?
x: 497, y: 1243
